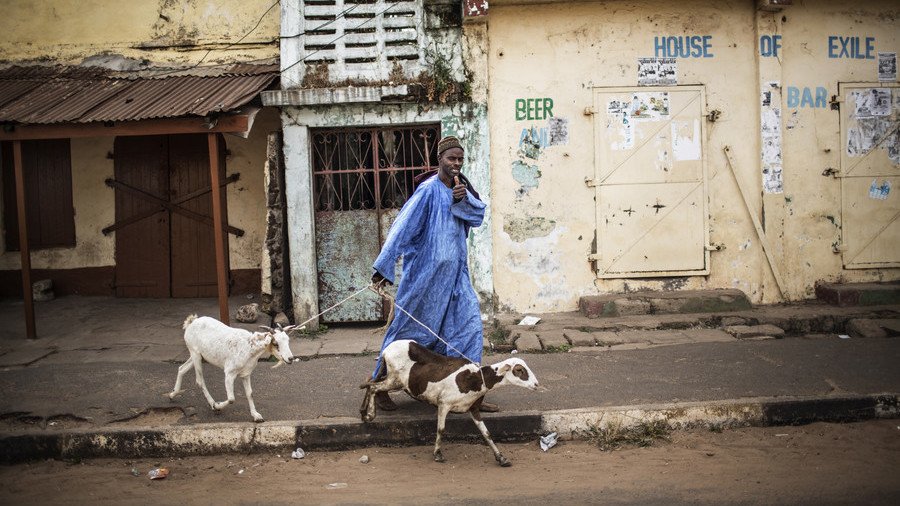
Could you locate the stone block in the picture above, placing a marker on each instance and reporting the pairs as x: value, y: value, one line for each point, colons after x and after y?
x: 748, y: 331
x: 862, y: 327
x: 579, y: 338
x: 632, y: 307
x: 553, y: 339
x: 528, y: 341
x: 607, y: 338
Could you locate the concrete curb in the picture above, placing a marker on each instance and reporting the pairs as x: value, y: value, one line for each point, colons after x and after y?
x: 343, y: 433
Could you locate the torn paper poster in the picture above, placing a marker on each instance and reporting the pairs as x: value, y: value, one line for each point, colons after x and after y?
x: 871, y: 102
x: 879, y: 192
x: 771, y: 150
x: 686, y: 140
x: 871, y: 133
x: 650, y: 106
x: 558, y: 129
x: 657, y: 72
x: 887, y: 66
x: 617, y: 106
x: 772, y: 179
x: 892, y: 145
x: 770, y: 134
x: 622, y: 124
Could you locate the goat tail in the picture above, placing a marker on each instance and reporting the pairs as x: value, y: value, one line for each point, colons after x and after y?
x: 187, y: 321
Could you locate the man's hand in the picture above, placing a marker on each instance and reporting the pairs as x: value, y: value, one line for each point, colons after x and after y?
x: 459, y: 189
x: 378, y: 280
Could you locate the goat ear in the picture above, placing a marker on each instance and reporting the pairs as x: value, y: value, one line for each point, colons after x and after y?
x: 503, y: 369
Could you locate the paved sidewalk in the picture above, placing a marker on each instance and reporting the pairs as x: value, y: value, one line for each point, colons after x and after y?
x: 93, y: 383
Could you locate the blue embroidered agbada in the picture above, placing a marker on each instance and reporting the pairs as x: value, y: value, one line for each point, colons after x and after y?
x: 430, y: 234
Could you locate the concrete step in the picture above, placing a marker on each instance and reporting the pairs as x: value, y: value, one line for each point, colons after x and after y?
x: 651, y: 302
x: 859, y: 294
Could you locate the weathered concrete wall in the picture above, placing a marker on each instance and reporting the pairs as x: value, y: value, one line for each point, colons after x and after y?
x: 173, y: 31
x: 544, y: 214
x: 95, y: 203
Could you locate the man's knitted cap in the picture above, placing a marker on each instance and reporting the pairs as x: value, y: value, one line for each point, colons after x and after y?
x: 447, y: 143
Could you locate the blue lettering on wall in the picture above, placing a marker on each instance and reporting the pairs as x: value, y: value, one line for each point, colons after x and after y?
x: 536, y: 136
x: 769, y: 45
x: 683, y: 46
x: 803, y: 97
x: 851, y: 47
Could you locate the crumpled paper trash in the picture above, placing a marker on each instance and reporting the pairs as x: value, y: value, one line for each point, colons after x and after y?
x: 298, y: 453
x: 549, y: 441
x: 158, y: 473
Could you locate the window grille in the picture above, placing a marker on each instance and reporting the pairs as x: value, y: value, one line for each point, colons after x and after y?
x: 370, y: 168
x: 361, y: 38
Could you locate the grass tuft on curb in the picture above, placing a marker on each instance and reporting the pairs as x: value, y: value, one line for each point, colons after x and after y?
x: 615, y: 435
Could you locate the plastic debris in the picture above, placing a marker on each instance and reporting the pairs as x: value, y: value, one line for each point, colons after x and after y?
x: 549, y: 441
x: 298, y: 453
x: 158, y: 473
x: 530, y: 320
x: 843, y: 336
x: 335, y: 486
x: 241, y: 471
x: 364, y: 459
x: 513, y: 352
x: 135, y: 472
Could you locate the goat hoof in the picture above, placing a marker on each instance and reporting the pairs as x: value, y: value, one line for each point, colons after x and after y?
x: 503, y: 461
x: 439, y: 457
x: 258, y: 419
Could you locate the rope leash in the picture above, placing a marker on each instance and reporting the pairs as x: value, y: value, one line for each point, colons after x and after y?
x: 380, y: 291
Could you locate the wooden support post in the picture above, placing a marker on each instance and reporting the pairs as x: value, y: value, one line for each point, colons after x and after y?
x: 221, y: 279
x: 767, y: 249
x: 27, y: 293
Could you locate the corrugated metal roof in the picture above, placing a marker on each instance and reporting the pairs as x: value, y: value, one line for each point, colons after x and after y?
x: 46, y: 95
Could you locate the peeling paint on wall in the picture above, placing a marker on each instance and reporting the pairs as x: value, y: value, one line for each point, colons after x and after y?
x: 535, y: 257
x: 619, y: 122
x: 526, y: 175
x: 520, y: 229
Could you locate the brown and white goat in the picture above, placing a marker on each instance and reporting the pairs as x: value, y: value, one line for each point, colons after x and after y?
x: 450, y: 383
x: 236, y: 351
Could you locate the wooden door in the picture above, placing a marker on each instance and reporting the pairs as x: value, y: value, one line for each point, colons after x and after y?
x: 164, y: 235
x: 193, y: 251
x: 142, y: 247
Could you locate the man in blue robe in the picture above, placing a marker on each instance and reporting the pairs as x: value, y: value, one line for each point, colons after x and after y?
x: 430, y: 234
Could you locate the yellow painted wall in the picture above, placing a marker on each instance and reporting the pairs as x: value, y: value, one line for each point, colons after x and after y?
x: 543, y: 235
x: 171, y: 31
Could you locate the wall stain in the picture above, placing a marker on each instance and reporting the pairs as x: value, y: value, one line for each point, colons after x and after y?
x: 520, y: 229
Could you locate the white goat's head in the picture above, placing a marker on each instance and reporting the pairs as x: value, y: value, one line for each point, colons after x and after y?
x: 515, y: 371
x: 278, y: 344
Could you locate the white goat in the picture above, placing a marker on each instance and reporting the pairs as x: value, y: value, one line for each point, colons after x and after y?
x: 236, y: 351
x: 450, y: 383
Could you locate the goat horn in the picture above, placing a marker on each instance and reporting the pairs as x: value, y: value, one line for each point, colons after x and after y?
x: 267, y: 329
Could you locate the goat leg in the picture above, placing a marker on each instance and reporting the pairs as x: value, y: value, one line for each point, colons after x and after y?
x: 229, y: 389
x: 367, y: 403
x: 182, y: 370
x: 198, y: 371
x: 248, y: 391
x: 441, y: 423
x: 476, y: 417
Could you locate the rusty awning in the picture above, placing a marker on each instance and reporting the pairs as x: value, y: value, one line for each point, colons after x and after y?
x: 47, y: 95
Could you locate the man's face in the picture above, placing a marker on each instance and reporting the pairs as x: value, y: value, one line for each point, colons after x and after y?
x: 450, y: 163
